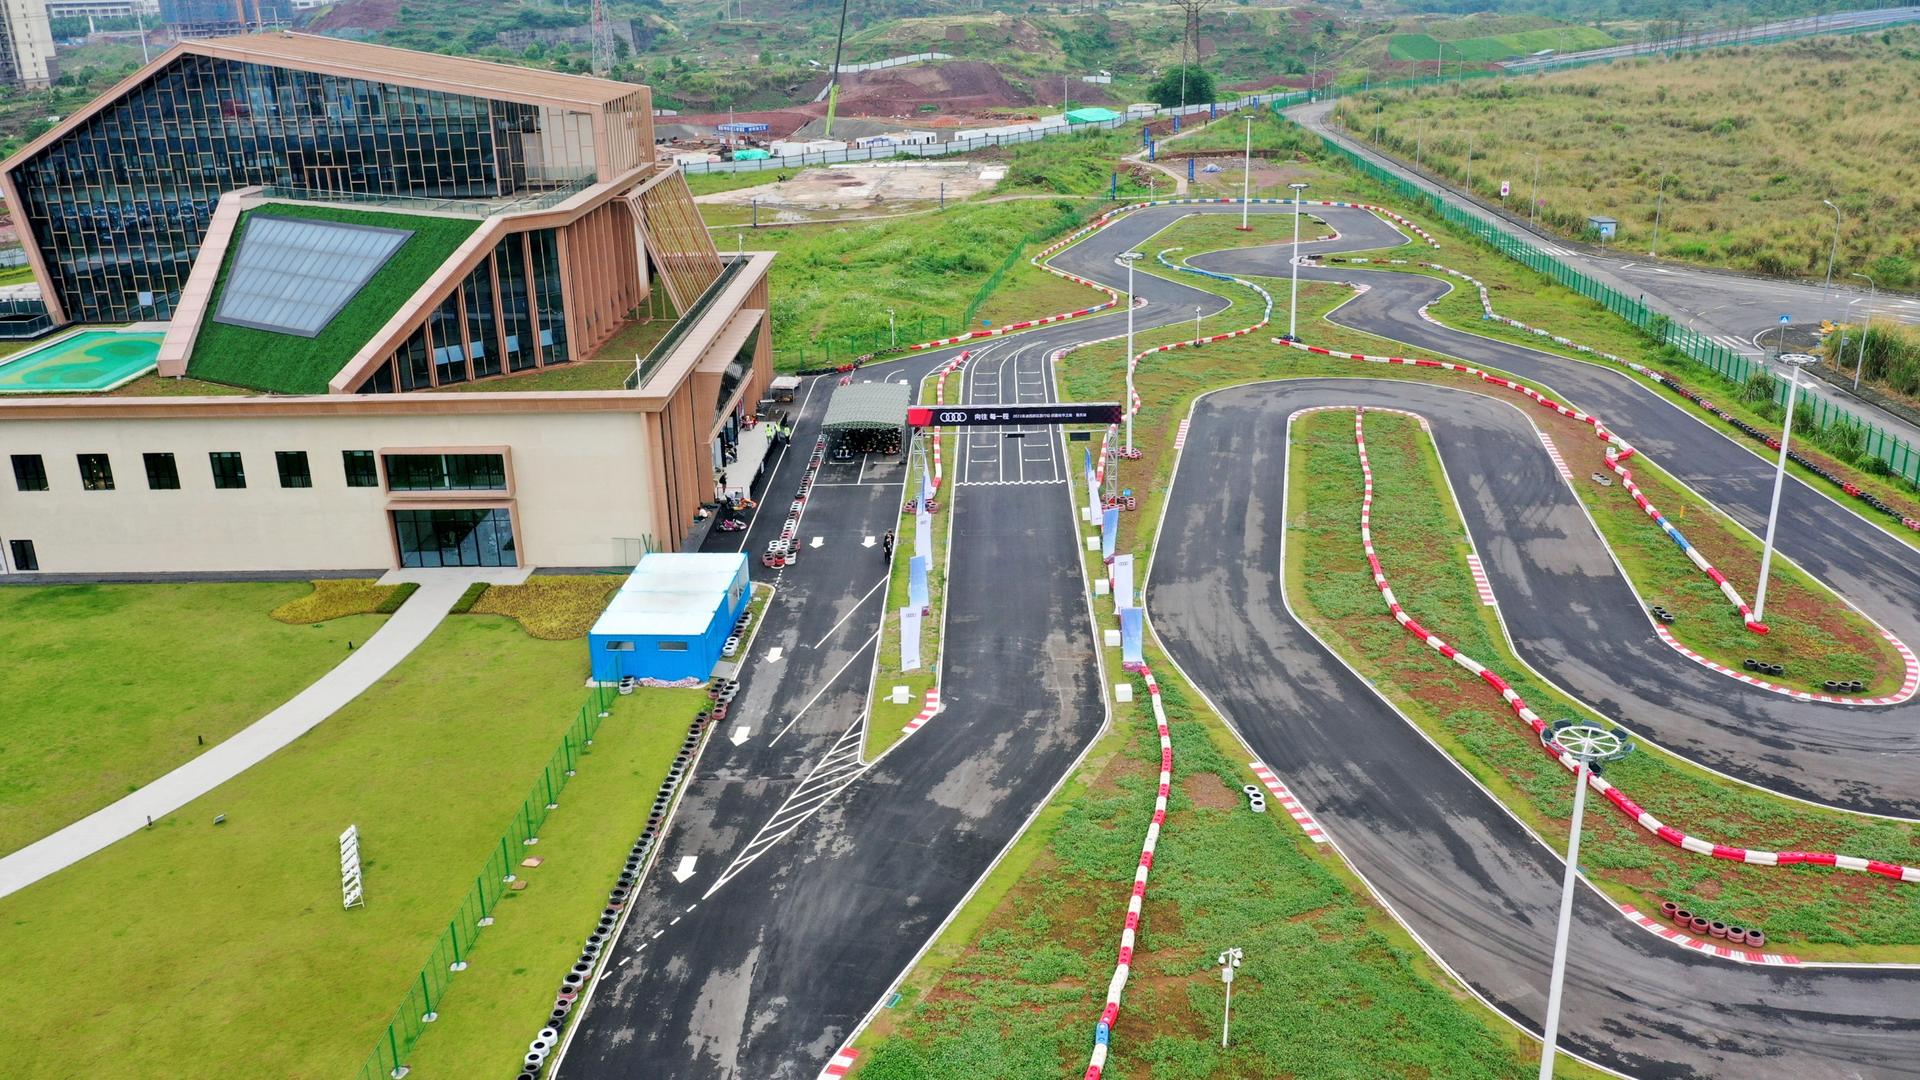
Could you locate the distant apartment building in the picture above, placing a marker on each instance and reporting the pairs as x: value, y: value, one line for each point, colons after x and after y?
x: 209, y: 18
x: 336, y: 245
x: 102, y: 9
x: 26, y: 44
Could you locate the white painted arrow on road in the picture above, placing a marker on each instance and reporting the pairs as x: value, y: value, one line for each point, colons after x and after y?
x: 775, y: 653
x: 867, y: 542
x: 817, y: 541
x: 741, y: 734
x: 685, y: 869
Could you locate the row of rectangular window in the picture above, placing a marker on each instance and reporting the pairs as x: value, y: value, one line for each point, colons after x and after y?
x: 229, y: 471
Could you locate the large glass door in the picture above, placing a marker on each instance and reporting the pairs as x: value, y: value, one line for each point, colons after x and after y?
x: 455, y: 537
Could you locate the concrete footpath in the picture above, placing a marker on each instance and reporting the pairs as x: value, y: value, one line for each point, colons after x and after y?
x: 369, y: 663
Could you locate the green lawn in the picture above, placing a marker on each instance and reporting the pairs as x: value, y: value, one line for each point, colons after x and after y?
x: 493, y: 1009
x: 289, y: 364
x: 110, y: 686
x: 226, y: 946
x: 1497, y: 46
x: 579, y: 375
x: 885, y: 719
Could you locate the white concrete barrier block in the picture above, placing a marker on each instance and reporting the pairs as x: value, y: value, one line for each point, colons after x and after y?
x: 1113, y: 639
x: 1093, y: 543
x: 899, y: 695
x: 1123, y: 691
x: 1100, y: 586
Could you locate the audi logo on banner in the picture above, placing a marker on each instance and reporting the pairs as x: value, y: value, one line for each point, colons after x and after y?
x: 1057, y: 412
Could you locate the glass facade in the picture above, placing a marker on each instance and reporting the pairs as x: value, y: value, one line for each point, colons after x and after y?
x: 455, y: 537
x: 119, y: 205
x: 446, y: 472
x: 507, y: 315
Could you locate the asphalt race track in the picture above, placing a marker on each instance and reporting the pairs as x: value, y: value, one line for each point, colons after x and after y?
x: 815, y: 879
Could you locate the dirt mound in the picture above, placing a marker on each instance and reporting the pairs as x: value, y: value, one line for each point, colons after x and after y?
x: 955, y: 86
x: 359, y: 15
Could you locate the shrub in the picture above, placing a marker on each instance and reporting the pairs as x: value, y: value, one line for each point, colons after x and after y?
x: 397, y: 596
x: 468, y: 598
x: 1758, y: 387
x: 335, y: 598
x: 554, y: 607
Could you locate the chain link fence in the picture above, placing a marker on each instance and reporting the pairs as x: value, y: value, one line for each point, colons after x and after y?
x: 449, y: 954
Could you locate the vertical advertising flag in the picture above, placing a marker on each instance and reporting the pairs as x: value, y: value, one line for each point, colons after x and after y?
x: 1132, y: 630
x: 917, y: 582
x: 909, y: 638
x: 923, y: 533
x: 1109, y: 531
x: 1123, y: 581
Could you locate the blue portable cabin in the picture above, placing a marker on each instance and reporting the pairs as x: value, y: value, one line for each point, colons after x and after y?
x: 671, y: 619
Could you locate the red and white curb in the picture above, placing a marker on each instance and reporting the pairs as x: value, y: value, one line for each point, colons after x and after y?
x: 841, y: 1064
x: 1553, y: 455
x: 940, y: 398
x: 1600, y: 784
x: 1180, y: 435
x: 926, y: 712
x: 1480, y: 583
x: 1123, y: 964
x: 1908, y: 685
x: 1288, y: 802
x: 1688, y: 941
x: 1617, y: 452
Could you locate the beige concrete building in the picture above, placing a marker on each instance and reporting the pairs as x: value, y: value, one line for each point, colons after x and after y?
x: 26, y: 44
x: 401, y: 310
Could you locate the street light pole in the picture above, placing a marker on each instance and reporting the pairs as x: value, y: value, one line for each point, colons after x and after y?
x: 1835, y: 250
x: 1128, y: 257
x: 893, y: 334
x: 1246, y: 176
x: 1533, y: 201
x: 1586, y: 744
x: 1865, y: 322
x: 1197, y: 310
x: 1779, y: 480
x: 1293, y: 298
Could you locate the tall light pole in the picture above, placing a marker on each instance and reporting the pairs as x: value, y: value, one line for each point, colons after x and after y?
x: 1833, y: 252
x: 1794, y: 361
x: 1293, y: 298
x: 1246, y: 176
x: 1866, y: 322
x: 1470, y: 165
x: 1657, y: 200
x: 1128, y: 257
x: 1533, y: 201
x: 1438, y: 70
x: 1587, y: 745
x: 893, y: 334
x: 1229, y: 960
x: 1197, y: 312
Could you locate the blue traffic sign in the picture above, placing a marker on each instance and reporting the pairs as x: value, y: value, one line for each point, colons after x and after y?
x: 1785, y: 319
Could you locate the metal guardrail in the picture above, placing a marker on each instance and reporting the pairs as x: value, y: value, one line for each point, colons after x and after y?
x: 465, y: 207
x: 644, y: 369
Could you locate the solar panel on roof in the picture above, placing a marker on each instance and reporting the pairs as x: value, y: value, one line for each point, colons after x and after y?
x: 293, y: 275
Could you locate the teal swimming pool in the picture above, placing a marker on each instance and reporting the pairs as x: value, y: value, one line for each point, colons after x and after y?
x: 83, y: 361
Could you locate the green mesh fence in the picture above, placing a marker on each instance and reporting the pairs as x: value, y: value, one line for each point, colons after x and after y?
x: 422, y: 1001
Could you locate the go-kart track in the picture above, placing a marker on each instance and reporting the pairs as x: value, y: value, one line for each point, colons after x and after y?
x: 798, y: 881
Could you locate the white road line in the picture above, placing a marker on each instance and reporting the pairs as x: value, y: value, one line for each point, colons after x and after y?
x: 823, y: 689
x: 849, y: 614
x: 790, y: 816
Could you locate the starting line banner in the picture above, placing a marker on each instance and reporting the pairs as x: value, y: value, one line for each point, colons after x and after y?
x: 1059, y: 412
x: 1132, y: 624
x: 909, y: 638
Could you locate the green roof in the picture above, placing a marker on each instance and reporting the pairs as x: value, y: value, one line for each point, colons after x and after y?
x: 1091, y: 116
x: 289, y: 364
x: 868, y: 405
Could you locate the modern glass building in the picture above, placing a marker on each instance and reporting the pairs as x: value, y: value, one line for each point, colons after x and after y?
x: 338, y: 234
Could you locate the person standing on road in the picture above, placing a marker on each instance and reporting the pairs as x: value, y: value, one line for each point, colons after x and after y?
x: 886, y: 545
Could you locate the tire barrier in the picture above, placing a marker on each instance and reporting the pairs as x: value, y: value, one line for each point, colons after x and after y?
x: 1683, y: 921
x: 1872, y: 501
x: 1123, y: 963
x: 1835, y: 695
x: 1617, y: 451
x: 1599, y: 783
x: 599, y: 942
x: 940, y: 398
